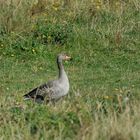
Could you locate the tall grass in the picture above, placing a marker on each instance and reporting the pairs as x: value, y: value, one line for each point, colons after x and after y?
x: 103, y: 39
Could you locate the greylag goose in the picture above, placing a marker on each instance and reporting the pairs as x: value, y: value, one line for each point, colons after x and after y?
x: 53, y: 90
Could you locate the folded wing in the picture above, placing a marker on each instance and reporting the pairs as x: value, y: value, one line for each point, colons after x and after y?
x: 39, y: 93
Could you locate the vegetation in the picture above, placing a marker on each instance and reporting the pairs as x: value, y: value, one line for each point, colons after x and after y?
x: 102, y: 36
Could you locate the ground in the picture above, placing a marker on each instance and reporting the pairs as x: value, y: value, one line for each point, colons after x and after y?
x: 103, y: 101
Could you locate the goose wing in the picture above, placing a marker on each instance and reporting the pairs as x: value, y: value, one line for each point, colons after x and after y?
x: 39, y: 92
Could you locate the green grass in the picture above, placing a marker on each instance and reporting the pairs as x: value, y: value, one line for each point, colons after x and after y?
x: 104, y: 71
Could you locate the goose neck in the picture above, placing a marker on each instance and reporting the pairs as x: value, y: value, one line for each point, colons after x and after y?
x: 61, y: 69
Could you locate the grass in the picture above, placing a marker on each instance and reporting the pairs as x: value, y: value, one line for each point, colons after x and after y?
x: 103, y: 41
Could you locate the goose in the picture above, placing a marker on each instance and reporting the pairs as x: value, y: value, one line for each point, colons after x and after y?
x: 52, y: 90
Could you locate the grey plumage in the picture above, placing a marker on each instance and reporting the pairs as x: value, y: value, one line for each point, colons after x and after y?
x: 53, y: 90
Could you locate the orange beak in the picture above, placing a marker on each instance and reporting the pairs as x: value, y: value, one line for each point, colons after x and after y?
x: 67, y: 57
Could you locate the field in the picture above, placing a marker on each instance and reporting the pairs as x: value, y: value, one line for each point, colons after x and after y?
x: 103, y: 39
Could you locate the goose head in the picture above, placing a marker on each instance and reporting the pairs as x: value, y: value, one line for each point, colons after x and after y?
x: 64, y: 57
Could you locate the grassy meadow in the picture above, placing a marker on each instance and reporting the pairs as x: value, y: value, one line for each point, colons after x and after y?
x: 102, y: 37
